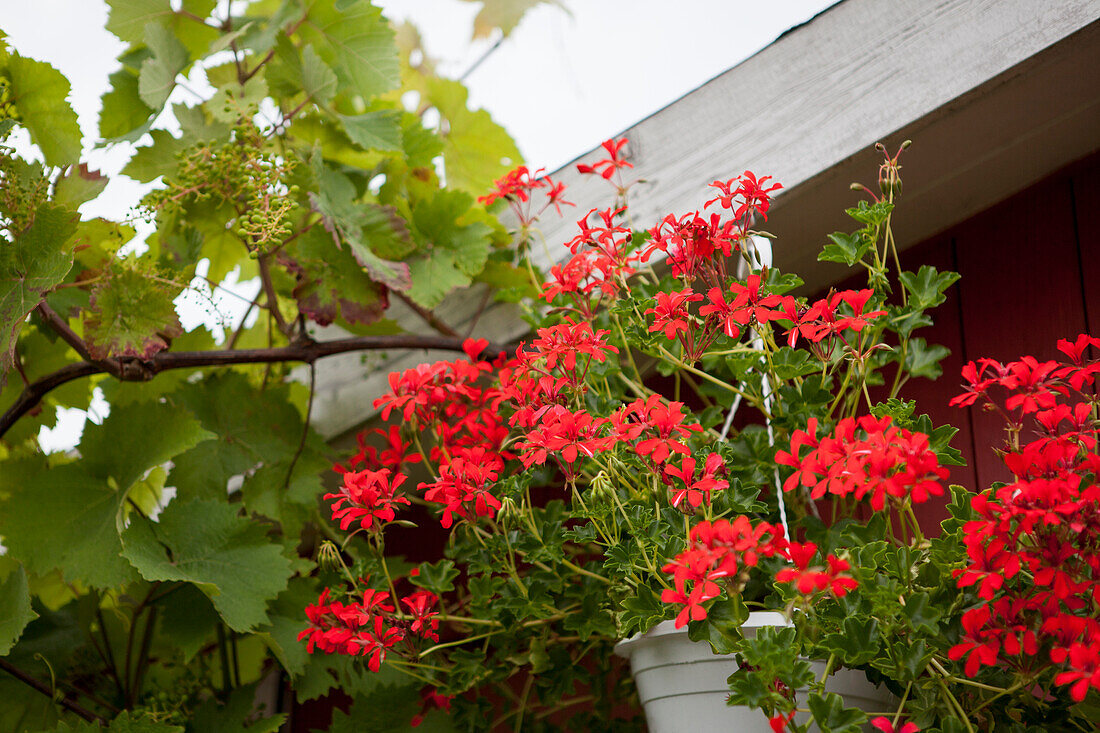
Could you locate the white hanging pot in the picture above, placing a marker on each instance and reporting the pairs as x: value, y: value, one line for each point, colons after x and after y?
x: 682, y: 683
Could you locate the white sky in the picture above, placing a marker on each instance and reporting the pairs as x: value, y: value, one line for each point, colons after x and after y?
x: 560, y: 84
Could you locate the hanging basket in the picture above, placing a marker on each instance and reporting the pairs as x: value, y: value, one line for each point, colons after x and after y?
x: 682, y: 683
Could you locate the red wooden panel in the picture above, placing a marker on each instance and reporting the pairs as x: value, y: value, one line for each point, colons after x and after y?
x: 932, y: 396
x: 1020, y: 291
x: 1086, y: 199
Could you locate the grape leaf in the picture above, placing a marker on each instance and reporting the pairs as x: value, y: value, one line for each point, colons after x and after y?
x: 32, y: 265
x: 79, y: 184
x: 129, y: 18
x: 158, y: 73
x: 130, y: 314
x: 123, y: 116
x: 345, y: 220
x: 378, y: 130
x: 39, y: 92
x: 358, y: 43
x: 206, y: 543
x: 476, y: 150
x: 15, y: 609
x: 331, y: 284
x: 456, y: 250
x: 305, y: 72
x: 69, y: 517
x: 504, y: 14
x: 159, y: 158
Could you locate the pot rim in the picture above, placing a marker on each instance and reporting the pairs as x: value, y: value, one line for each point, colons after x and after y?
x: 756, y: 619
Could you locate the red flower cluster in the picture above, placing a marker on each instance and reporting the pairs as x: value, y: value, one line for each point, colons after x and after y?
x: 864, y: 456
x: 369, y: 628
x: 813, y: 579
x: 367, y: 496
x: 602, y: 259
x: 1034, y: 549
x: 717, y: 552
x: 607, y: 167
x: 696, y: 490
x: 745, y: 194
x: 517, y: 187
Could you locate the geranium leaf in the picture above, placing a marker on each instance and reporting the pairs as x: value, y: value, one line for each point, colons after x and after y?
x: 131, y: 314
x: 30, y: 267
x: 15, y: 609
x: 926, y: 287
x: 832, y: 717
x: 227, y: 556
x: 39, y: 92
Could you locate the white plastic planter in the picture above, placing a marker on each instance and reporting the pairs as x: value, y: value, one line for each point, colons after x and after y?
x: 682, y: 683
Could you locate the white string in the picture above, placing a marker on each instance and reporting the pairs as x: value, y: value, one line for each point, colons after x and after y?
x: 760, y: 251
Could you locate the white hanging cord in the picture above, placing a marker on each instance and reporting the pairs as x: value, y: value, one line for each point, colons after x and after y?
x: 760, y: 250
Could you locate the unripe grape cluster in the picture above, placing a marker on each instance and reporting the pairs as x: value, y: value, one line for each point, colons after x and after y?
x: 243, y: 173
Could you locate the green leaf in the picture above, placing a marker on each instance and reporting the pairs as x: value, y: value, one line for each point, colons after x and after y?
x: 331, y: 283
x: 294, y: 73
x: 378, y: 130
x: 871, y: 214
x: 137, y: 437
x: 131, y: 314
x: 437, y: 577
x: 858, y: 643
x: 123, y: 116
x: 832, y: 717
x: 455, y: 250
x: 137, y: 722
x: 30, y: 267
x: 205, y: 542
x: 722, y: 626
x: 188, y: 620
x: 158, y: 73
x: 845, y: 248
x: 358, y: 43
x: 15, y: 609
x: 923, y: 360
x: 281, y: 634
x: 39, y: 92
x: 505, y: 15
x: 128, y: 18
x: 922, y: 615
x: 927, y: 286
x: 79, y: 184
x: 351, y: 223
x: 126, y: 722
x: 237, y: 715
x: 69, y: 518
x: 159, y: 158
x: 476, y: 150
